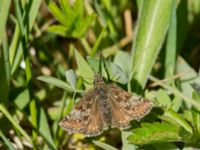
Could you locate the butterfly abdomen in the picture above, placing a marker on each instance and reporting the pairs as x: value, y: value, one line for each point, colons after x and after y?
x: 104, y: 104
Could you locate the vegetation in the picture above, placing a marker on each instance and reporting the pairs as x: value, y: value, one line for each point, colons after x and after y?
x: 50, y: 51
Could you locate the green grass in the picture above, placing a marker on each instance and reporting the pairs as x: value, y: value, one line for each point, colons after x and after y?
x: 50, y: 51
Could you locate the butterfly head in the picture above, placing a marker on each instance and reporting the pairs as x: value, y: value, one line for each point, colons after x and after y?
x: 98, y: 79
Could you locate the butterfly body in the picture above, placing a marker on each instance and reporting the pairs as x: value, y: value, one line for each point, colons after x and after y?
x: 104, y: 106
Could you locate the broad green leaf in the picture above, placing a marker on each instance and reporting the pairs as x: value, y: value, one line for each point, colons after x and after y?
x: 104, y: 145
x: 153, y: 133
x: 176, y: 103
x: 177, y: 118
x: 126, y: 145
x: 71, y: 78
x: 153, y: 23
x: 56, y: 82
x: 94, y: 63
x: 84, y: 70
x: 163, y: 98
x: 117, y: 74
x: 189, y: 76
x: 122, y: 59
x: 22, y: 99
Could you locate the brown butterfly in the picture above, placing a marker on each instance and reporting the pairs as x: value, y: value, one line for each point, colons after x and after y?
x: 104, y: 106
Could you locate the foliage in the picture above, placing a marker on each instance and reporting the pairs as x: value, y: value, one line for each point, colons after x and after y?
x: 50, y: 51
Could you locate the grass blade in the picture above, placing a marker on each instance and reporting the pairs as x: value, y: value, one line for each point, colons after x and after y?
x: 14, y: 123
x: 4, y: 72
x: 56, y: 82
x: 6, y: 141
x: 4, y: 11
x: 151, y: 30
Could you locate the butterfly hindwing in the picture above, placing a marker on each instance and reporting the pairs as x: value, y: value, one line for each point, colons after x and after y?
x: 95, y: 124
x: 132, y: 107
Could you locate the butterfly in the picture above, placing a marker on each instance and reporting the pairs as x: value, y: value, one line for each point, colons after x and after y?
x: 104, y: 106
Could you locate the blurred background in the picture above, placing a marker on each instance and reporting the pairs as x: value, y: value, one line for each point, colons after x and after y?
x: 50, y: 51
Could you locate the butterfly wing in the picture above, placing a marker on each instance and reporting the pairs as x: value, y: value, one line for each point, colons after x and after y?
x: 95, y: 124
x: 126, y: 107
x: 84, y: 117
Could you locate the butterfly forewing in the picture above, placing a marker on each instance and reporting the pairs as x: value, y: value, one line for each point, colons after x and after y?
x: 77, y: 120
x: 130, y: 105
x: 139, y: 107
x: 85, y: 117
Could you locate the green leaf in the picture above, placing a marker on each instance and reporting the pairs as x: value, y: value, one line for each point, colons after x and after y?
x: 170, y: 52
x: 163, y: 98
x: 189, y: 76
x: 193, y: 117
x: 126, y: 145
x: 58, y: 14
x: 35, y: 6
x: 196, y: 87
x: 74, y: 24
x: 164, y: 146
x: 104, y: 145
x: 153, y: 23
x: 67, y: 9
x: 84, y: 70
x: 71, y: 78
x: 117, y: 74
x: 98, y: 41
x: 4, y: 12
x: 94, y: 63
x: 56, y: 82
x: 4, y: 72
x: 177, y: 118
x: 15, y: 48
x: 153, y: 133
x: 45, y: 130
x: 122, y: 59
x: 78, y: 8
x: 22, y: 99
x: 59, y: 29
x: 81, y: 25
